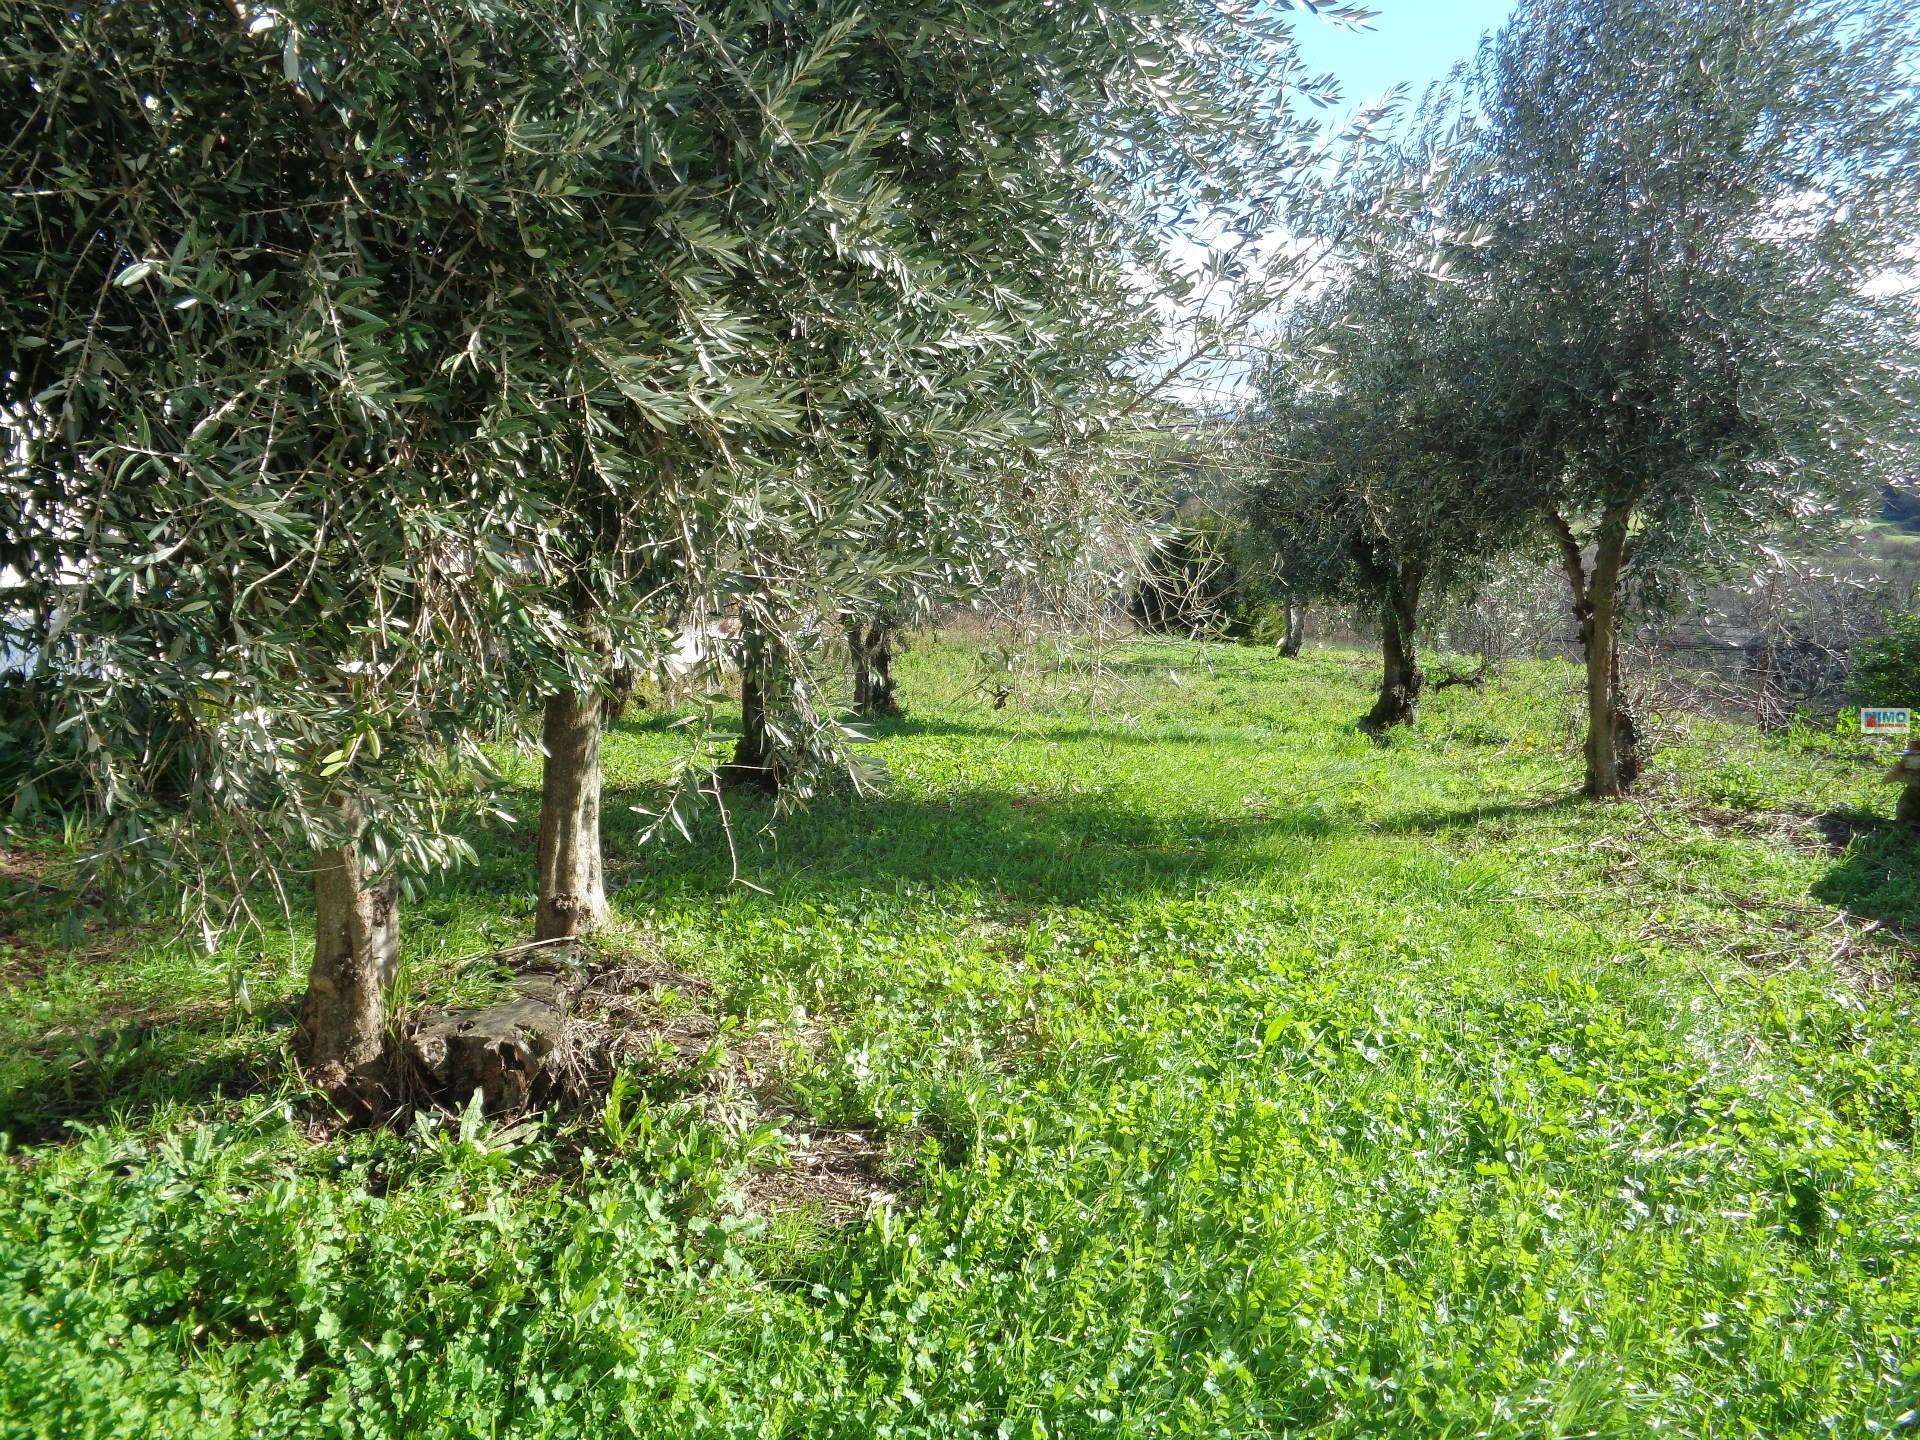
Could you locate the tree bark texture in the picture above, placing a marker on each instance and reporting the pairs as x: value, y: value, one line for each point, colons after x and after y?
x: 1613, y: 737
x: 1401, y: 678
x: 342, y: 1042
x: 573, y: 892
x: 871, y: 648
x: 514, y: 1054
x: 754, y: 766
x: 1296, y: 635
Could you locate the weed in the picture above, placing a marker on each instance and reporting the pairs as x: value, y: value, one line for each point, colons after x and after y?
x: 1218, y: 1072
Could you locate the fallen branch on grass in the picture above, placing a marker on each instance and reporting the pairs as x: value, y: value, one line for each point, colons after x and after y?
x: 1472, y: 679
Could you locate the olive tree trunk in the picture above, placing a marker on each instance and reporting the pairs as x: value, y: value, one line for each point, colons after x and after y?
x: 1401, y: 678
x: 1613, y: 737
x: 871, y: 649
x: 1296, y: 630
x: 1906, y: 810
x: 754, y: 766
x: 573, y: 892
x: 342, y: 1041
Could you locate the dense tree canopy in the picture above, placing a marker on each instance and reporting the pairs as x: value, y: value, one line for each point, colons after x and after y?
x: 372, y: 374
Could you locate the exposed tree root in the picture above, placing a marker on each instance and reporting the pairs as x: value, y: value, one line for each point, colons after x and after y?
x: 567, y: 1030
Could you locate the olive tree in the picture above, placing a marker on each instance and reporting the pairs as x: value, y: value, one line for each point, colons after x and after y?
x: 1374, y: 492
x: 1691, y: 210
x: 338, y: 347
x: 374, y: 377
x: 279, y: 340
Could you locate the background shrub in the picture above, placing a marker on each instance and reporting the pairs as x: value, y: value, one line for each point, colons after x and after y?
x: 1886, y: 669
x: 1208, y: 578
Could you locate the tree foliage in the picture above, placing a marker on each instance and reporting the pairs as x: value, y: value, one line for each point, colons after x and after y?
x: 1209, y: 575
x: 1376, y: 494
x: 1692, y: 214
x: 372, y: 378
x: 1886, y: 669
x: 1657, y: 301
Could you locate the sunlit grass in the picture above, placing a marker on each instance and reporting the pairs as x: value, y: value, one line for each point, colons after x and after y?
x: 1238, y: 1076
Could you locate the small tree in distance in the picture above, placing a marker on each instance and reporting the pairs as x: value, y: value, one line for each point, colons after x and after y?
x: 1374, y: 494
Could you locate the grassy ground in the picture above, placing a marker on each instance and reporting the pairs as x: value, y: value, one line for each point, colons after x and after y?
x: 1230, y: 1075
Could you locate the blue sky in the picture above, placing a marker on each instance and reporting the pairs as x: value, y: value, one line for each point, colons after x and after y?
x: 1412, y: 41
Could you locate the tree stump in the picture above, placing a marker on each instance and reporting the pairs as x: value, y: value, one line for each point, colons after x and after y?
x: 515, y: 1054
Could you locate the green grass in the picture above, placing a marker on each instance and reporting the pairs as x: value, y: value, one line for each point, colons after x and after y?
x: 1237, y: 1076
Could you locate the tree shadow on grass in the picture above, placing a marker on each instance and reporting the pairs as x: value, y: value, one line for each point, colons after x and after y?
x: 1051, y: 729
x: 1033, y: 849
x: 1072, y: 849
x: 1079, y: 850
x: 1878, y: 875
x: 1431, y: 819
x: 84, y: 1074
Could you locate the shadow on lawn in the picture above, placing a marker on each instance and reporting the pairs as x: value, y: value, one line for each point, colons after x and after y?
x: 1878, y: 875
x: 1032, y: 849
x: 1058, y: 848
x: 1027, y: 729
x: 1433, y: 818
x: 82, y: 1075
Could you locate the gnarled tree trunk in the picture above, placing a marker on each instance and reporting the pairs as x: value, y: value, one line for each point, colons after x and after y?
x: 1401, y: 678
x: 573, y: 892
x: 1296, y: 635
x: 342, y: 1042
x: 871, y: 649
x: 754, y: 765
x: 1613, y: 737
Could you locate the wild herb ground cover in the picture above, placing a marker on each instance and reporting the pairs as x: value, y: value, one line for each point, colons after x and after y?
x: 1234, y: 1076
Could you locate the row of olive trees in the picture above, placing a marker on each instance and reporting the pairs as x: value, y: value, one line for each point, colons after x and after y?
x: 375, y: 378
x: 1663, y: 309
